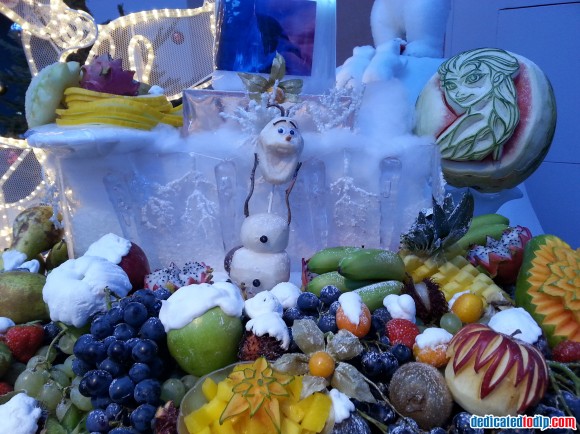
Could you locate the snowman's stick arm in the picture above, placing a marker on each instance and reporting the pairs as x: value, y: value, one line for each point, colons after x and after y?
x: 252, y: 180
x: 289, y: 189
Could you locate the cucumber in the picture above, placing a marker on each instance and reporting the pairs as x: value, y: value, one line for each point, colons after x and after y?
x: 334, y: 278
x: 372, y: 264
x: 373, y: 295
x: 327, y: 260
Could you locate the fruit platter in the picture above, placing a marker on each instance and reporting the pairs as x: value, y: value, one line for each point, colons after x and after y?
x: 472, y: 316
x: 283, y: 286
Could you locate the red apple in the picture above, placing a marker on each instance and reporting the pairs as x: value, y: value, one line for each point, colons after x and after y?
x: 126, y: 254
x: 493, y: 373
x: 136, y: 265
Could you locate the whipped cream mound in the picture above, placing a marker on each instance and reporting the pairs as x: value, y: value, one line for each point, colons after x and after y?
x: 192, y: 301
x: 261, y: 303
x: 510, y: 321
x: 341, y: 405
x: 76, y: 289
x: 12, y: 259
x: 351, y: 304
x: 400, y: 306
x: 433, y: 337
x: 111, y: 247
x: 270, y: 323
x: 287, y: 293
x: 20, y: 415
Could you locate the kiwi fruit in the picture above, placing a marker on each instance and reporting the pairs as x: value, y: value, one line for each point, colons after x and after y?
x: 419, y: 391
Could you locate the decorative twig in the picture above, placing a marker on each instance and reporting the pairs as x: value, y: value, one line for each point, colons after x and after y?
x: 252, y: 180
x: 289, y: 189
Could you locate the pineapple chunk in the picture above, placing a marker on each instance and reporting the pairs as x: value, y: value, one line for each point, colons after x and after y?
x: 224, y: 391
x: 209, y: 389
x: 289, y: 426
x: 198, y: 420
x: 293, y: 410
x: 215, y: 408
x: 317, y: 412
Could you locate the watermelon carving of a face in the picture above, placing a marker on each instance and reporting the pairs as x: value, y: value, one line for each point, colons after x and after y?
x: 493, y: 115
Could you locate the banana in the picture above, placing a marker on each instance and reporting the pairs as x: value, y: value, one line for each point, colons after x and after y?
x: 479, y: 235
x: 488, y: 219
x: 373, y: 295
x: 326, y: 260
x: 335, y: 279
x: 372, y: 264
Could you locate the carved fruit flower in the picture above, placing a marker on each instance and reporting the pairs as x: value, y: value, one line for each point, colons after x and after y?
x: 256, y: 388
x: 493, y: 373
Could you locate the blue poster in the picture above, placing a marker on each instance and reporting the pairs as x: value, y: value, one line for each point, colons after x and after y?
x: 250, y: 32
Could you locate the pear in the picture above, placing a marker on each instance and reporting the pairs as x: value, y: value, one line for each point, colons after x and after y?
x: 21, y: 296
x: 34, y: 231
x: 56, y: 255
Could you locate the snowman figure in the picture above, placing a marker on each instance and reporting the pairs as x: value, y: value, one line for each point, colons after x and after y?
x: 261, y: 262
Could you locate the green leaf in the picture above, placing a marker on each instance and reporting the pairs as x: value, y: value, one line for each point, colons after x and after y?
x: 294, y: 85
x: 278, y: 70
x: 254, y: 83
x: 352, y: 383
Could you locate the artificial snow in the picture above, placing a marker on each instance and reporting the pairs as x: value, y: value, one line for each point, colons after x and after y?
x: 516, y: 322
x: 20, y: 415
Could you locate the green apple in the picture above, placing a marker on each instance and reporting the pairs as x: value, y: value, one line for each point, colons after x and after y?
x: 207, y: 343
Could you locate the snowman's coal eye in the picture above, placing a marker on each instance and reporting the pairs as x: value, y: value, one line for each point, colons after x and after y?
x: 292, y: 132
x: 256, y: 283
x: 264, y: 239
x: 281, y: 130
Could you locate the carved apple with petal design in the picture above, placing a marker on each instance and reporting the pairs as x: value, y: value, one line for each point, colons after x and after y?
x: 493, y: 373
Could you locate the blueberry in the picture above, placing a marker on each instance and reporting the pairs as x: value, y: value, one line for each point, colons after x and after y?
x: 573, y: 403
x: 124, y: 331
x: 142, y: 417
x: 121, y: 390
x: 81, y: 347
x: 122, y: 430
x: 80, y: 367
x: 385, y: 341
x: 327, y: 323
x: 119, y: 352
x: 437, y: 430
x: 333, y: 308
x: 115, y: 368
x: 153, y: 329
x: 329, y: 294
x: 308, y: 302
x: 100, y: 401
x: 95, y: 383
x: 101, y: 327
x: 115, y: 411
x: 292, y: 314
x: 390, y: 364
x: 139, y: 372
x: 162, y: 293
x: 115, y: 315
x: 146, y: 297
x: 144, y: 350
x: 402, y: 353
x: 98, y: 421
x: 371, y: 364
x: 51, y: 331
x: 460, y: 424
x: 404, y: 426
x: 382, y: 412
x: 157, y: 367
x: 147, y: 391
x: 135, y: 314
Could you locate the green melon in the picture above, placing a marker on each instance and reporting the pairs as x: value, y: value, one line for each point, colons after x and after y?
x: 548, y: 287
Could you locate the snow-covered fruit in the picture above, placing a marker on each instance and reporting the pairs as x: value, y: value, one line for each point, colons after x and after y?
x: 493, y: 373
x: 173, y: 277
x: 105, y: 74
x: 502, y: 258
x: 24, y: 340
x: 126, y: 254
x: 79, y: 288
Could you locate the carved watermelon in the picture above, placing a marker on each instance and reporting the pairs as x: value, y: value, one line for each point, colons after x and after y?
x: 522, y: 153
x: 548, y: 287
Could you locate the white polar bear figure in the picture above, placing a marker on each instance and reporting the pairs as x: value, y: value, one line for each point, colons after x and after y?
x: 421, y: 23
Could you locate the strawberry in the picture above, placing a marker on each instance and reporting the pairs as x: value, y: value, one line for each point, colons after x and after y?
x: 566, y: 351
x: 5, y: 388
x: 24, y: 341
x: 401, y: 331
